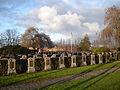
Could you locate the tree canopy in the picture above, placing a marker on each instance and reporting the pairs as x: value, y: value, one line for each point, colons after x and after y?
x: 32, y: 38
x: 84, y: 44
x: 111, y: 34
x: 9, y: 37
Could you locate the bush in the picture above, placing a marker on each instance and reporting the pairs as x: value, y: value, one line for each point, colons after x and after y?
x: 3, y: 67
x: 39, y: 64
x: 67, y: 62
x: 21, y: 66
x: 78, y: 61
x: 118, y: 49
x: 102, y: 49
x: 88, y: 59
x: 13, y: 50
x: 54, y: 63
x: 96, y: 59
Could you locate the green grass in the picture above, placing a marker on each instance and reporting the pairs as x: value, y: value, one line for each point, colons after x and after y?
x: 7, y: 80
x: 108, y: 81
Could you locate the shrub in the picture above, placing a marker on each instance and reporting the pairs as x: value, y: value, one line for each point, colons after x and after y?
x: 3, y: 67
x: 13, y: 50
x: 78, y: 61
x: 118, y: 49
x: 88, y: 59
x: 102, y: 49
x: 21, y: 66
x: 54, y: 63
x: 67, y: 62
x: 39, y: 64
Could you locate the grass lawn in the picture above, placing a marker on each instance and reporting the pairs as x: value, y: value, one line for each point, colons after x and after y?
x: 108, y: 81
x: 7, y: 80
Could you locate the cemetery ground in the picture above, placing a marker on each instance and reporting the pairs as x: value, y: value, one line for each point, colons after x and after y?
x: 94, y: 77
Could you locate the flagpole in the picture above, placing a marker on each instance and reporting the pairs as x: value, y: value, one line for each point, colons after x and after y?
x: 71, y: 41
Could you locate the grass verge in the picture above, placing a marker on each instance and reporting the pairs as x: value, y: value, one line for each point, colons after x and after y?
x: 107, y: 81
x: 7, y: 80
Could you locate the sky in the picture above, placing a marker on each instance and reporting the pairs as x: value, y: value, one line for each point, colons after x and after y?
x: 57, y: 18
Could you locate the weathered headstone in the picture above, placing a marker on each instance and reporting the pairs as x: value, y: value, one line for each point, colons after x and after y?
x: 73, y: 61
x: 61, y: 62
x: 53, y: 56
x: 100, y: 58
x: 11, y: 66
x: 84, y: 59
x: 31, y: 65
x: 24, y: 57
x: 92, y: 59
x: 107, y: 57
x: 47, y: 63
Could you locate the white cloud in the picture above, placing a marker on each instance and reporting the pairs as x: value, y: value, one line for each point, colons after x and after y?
x: 54, y: 22
x: 92, y: 26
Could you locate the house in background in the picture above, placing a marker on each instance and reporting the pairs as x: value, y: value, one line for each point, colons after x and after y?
x: 60, y: 48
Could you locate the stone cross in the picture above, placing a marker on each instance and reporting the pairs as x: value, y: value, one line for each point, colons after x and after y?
x: 73, y: 61
x: 47, y: 61
x: 11, y: 66
x: 31, y: 65
x: 61, y: 62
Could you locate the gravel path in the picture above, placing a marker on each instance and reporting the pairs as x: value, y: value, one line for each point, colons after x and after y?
x: 58, y: 80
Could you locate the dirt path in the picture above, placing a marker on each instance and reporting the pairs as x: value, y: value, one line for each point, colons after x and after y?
x: 51, y: 81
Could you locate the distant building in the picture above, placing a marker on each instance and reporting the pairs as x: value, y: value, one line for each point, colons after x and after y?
x: 59, y: 48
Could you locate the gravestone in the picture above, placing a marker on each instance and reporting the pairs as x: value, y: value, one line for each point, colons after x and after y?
x: 73, y: 61
x: 47, y: 63
x: 31, y: 65
x: 92, y: 59
x: 37, y: 56
x: 100, y: 58
x: 61, y: 62
x: 107, y: 57
x: 84, y: 59
x: 11, y: 66
x: 53, y: 56
x: 69, y: 55
x: 24, y: 57
x: 44, y: 55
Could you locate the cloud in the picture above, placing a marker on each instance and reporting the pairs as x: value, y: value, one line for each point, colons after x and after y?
x: 56, y: 16
x: 53, y: 22
x: 92, y: 26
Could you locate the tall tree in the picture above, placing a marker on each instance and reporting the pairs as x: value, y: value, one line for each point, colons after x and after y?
x: 32, y: 38
x: 84, y: 44
x: 111, y: 34
x: 9, y: 37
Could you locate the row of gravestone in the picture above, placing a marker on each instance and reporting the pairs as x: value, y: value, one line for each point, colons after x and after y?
x: 61, y: 58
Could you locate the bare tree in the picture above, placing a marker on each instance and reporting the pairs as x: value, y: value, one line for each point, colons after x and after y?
x: 111, y: 34
x: 9, y: 37
x: 32, y: 38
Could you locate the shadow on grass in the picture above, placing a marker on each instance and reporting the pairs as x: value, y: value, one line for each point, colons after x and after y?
x: 73, y: 86
x: 75, y: 76
x: 29, y: 77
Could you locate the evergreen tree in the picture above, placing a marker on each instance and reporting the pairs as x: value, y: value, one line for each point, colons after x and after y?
x: 84, y: 44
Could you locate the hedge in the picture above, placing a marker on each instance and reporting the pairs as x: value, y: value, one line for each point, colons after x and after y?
x: 67, y: 62
x: 3, y: 67
x: 21, y: 66
x: 39, y: 64
x: 54, y: 63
